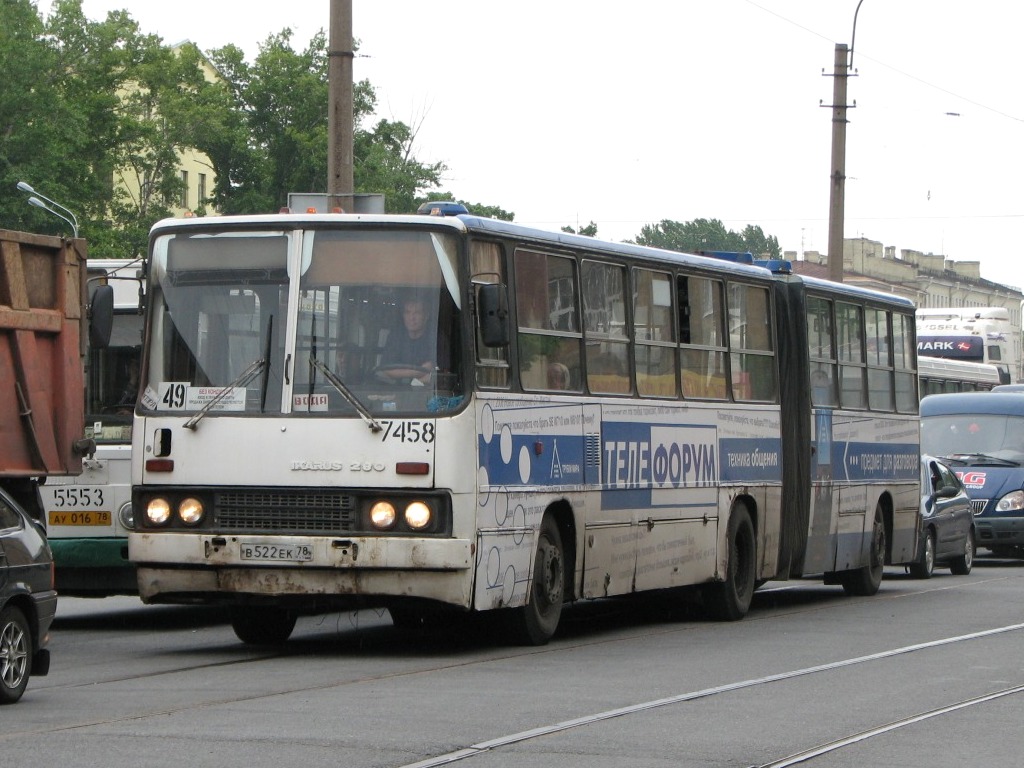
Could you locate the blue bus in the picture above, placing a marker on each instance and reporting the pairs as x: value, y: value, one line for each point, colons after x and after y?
x: 980, y: 435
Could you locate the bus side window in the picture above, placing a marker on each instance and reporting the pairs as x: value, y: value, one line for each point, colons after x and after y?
x: 702, y: 337
x: 488, y: 266
x: 821, y: 352
x: 547, y: 312
x: 604, y: 319
x: 751, y: 347
x: 850, y: 332
x: 654, y: 334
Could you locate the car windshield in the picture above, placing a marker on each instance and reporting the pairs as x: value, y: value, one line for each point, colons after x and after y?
x: 252, y: 319
x: 974, y: 438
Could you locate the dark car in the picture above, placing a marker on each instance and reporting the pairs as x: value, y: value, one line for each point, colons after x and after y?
x: 946, y: 535
x: 28, y: 600
x: 980, y: 435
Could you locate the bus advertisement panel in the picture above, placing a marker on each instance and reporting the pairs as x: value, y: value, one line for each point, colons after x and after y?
x: 453, y: 415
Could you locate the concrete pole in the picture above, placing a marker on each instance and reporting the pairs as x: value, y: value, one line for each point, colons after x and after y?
x: 339, y: 105
x: 837, y: 188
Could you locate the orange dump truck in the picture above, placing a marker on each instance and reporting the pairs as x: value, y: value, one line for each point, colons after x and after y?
x: 43, y: 326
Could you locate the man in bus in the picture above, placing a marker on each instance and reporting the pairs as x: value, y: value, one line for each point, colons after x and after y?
x: 410, y: 351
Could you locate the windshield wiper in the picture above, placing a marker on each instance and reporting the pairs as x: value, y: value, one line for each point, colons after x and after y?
x: 354, y: 401
x: 243, y: 379
x: 981, y: 459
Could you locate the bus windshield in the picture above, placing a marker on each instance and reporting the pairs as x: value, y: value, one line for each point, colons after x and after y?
x: 974, y: 437
x: 255, y: 321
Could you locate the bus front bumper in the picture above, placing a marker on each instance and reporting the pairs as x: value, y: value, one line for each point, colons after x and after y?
x: 175, y: 568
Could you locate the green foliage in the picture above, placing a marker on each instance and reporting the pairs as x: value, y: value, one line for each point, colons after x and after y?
x: 97, y: 116
x: 275, y: 138
x: 590, y: 230
x: 708, y: 235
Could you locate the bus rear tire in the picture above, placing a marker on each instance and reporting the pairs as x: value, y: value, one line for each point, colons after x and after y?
x: 865, y: 581
x: 535, y: 623
x: 262, y: 625
x: 729, y: 600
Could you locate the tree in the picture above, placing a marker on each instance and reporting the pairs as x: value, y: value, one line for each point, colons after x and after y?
x: 93, y: 105
x: 590, y: 230
x: 275, y: 142
x: 97, y: 115
x: 708, y: 235
x: 44, y: 135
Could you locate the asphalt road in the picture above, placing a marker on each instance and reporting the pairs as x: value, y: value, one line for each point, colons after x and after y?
x: 924, y: 673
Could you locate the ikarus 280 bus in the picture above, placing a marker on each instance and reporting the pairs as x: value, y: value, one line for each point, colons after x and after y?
x: 578, y: 419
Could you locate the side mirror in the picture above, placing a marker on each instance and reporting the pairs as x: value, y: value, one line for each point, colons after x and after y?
x: 946, y: 492
x: 492, y: 315
x: 101, y: 316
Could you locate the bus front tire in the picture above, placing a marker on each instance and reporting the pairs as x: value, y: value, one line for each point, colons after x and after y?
x: 729, y: 600
x: 535, y: 623
x: 257, y: 625
x: 864, y: 582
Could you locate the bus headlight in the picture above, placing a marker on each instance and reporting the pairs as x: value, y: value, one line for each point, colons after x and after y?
x: 383, y: 515
x: 418, y: 515
x: 191, y: 511
x: 125, y: 515
x: 1011, y: 501
x: 158, y: 511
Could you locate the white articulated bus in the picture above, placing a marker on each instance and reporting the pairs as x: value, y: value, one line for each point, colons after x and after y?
x: 579, y: 419
x: 938, y: 375
x: 88, y: 516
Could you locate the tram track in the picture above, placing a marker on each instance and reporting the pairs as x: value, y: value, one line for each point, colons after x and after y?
x: 475, y: 750
x: 807, y: 602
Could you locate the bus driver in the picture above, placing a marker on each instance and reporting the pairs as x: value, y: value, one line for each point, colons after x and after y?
x: 410, y: 350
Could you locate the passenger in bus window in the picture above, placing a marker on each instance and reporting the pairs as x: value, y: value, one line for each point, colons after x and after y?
x: 347, y: 363
x: 409, y: 352
x: 822, y: 391
x: 558, y: 376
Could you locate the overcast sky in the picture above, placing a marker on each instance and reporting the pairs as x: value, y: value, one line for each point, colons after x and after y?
x: 571, y: 111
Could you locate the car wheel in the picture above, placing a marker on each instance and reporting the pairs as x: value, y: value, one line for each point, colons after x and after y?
x: 961, y: 566
x: 15, y: 654
x: 925, y: 565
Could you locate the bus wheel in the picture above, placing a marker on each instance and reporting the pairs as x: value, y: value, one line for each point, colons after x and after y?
x: 864, y: 582
x: 259, y: 625
x: 15, y: 655
x: 961, y: 566
x: 536, y: 622
x: 729, y: 600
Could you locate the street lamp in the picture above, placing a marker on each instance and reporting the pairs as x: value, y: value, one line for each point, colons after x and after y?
x: 50, y: 206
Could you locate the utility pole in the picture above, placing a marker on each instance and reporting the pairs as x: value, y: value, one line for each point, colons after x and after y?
x: 842, y: 71
x: 837, y: 188
x: 340, y: 185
